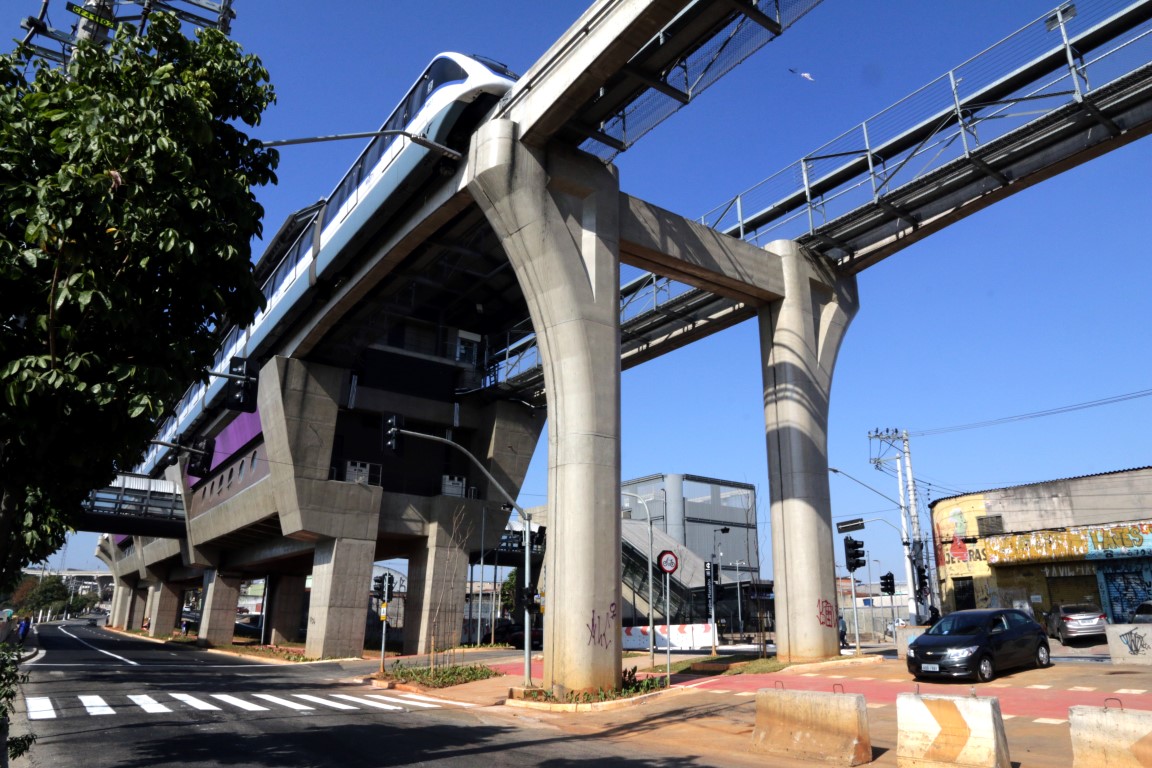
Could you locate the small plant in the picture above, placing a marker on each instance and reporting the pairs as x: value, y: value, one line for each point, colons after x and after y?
x: 442, y: 676
x: 10, y: 681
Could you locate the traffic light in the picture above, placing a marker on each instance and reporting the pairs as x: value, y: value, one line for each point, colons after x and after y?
x: 922, y: 580
x: 200, y: 456
x: 378, y: 587
x: 853, y: 554
x: 888, y: 584
x: 240, y: 393
x: 392, y: 424
x: 389, y: 583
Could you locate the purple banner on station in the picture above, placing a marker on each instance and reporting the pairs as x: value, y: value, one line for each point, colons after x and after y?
x: 234, y: 437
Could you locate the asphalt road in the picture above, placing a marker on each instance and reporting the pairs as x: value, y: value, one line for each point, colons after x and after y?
x: 96, y: 698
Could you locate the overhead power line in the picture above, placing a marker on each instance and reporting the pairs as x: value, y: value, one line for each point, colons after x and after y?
x: 1034, y: 414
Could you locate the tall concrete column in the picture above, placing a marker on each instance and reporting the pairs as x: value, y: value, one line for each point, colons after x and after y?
x: 218, y: 614
x: 800, y: 336
x: 121, y: 605
x: 557, y: 214
x: 287, y: 614
x: 674, y: 508
x: 338, y: 609
x: 437, y: 576
x: 137, y: 608
x: 163, y: 608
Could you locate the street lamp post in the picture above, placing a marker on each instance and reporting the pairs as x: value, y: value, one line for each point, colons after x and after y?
x: 651, y: 621
x: 739, y: 601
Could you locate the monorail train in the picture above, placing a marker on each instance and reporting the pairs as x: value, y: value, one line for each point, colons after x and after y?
x: 444, y: 106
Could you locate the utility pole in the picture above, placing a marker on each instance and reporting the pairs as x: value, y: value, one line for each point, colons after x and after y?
x: 913, y: 543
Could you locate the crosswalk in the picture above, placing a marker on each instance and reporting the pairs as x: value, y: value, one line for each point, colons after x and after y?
x: 50, y: 708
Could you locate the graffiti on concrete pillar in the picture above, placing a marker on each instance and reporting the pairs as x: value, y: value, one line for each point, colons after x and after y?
x: 1136, y: 641
x: 826, y: 613
x: 601, y: 627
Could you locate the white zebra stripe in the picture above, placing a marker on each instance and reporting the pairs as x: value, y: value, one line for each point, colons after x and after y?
x: 39, y: 708
x: 443, y: 702
x: 282, y: 702
x: 366, y: 702
x: 194, y: 702
x: 245, y: 705
x: 324, y: 702
x: 405, y: 702
x: 96, y: 705
x: 148, y: 704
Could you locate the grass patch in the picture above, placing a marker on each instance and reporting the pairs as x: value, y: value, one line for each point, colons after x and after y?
x: 442, y: 676
x: 758, y: 666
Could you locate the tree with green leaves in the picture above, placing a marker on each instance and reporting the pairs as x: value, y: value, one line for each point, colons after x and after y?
x: 126, y: 212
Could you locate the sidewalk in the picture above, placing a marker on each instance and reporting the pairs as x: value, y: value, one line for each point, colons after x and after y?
x: 709, y: 720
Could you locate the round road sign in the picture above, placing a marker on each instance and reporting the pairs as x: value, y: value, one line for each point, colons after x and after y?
x: 668, y: 561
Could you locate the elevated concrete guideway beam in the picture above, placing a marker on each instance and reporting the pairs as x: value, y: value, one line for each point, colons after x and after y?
x: 571, y: 72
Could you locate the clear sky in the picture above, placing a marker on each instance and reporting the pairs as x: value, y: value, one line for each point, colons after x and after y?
x: 1036, y: 303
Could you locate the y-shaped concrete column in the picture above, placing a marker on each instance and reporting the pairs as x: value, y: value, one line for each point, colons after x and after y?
x: 800, y: 336
x: 558, y: 216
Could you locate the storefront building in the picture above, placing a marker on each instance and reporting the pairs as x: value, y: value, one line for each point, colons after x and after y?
x: 1084, y: 539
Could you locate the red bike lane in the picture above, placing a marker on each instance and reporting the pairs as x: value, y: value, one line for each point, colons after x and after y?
x: 1034, y: 694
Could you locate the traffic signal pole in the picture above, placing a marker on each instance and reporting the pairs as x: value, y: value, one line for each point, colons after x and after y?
x: 854, y: 559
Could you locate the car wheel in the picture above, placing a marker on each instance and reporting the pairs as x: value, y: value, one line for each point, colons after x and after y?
x: 1043, y: 659
x: 1062, y: 638
x: 985, y: 670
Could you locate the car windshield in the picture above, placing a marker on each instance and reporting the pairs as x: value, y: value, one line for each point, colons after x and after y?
x: 1081, y: 609
x: 958, y: 624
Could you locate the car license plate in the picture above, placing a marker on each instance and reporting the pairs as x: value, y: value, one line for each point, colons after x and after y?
x: 1086, y: 622
x: 929, y: 667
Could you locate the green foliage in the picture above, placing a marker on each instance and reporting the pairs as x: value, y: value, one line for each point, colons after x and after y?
x: 442, y: 676
x: 508, y: 592
x: 10, y: 681
x: 49, y: 593
x: 126, y: 212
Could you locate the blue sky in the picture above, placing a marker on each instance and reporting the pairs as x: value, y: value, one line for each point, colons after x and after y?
x: 1036, y: 303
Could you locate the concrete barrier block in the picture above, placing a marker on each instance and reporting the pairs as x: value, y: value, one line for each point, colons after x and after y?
x: 1117, y: 738
x: 831, y: 727
x: 949, y: 731
x: 1130, y: 643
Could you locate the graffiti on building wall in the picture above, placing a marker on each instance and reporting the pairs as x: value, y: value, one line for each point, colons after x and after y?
x: 1036, y: 546
x: 1136, y: 642
x: 1132, y: 540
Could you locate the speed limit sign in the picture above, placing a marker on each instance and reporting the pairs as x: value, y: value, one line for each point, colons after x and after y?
x: 668, y: 561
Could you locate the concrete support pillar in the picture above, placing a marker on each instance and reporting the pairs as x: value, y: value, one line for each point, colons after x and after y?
x: 218, y: 614
x: 437, y: 576
x: 163, y: 608
x: 121, y: 605
x: 137, y: 608
x: 800, y: 336
x: 338, y: 609
x: 558, y: 216
x: 674, y: 508
x: 288, y: 607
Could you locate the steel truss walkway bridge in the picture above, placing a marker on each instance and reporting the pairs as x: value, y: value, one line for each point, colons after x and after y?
x: 1068, y: 87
